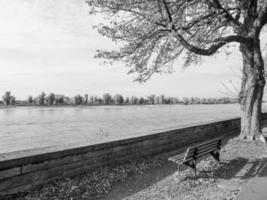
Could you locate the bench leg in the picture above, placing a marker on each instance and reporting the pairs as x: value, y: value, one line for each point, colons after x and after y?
x: 194, y: 168
x: 216, y: 156
x: 192, y: 165
x: 179, y: 169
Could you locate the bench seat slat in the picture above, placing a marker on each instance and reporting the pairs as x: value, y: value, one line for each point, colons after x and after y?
x: 178, y: 156
x: 176, y: 159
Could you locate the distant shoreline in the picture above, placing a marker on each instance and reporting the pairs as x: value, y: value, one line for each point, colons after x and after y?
x: 105, y: 105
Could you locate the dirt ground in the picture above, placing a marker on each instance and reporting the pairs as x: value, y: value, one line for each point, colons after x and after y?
x: 158, y: 179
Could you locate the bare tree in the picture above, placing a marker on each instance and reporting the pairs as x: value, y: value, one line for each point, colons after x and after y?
x: 153, y: 34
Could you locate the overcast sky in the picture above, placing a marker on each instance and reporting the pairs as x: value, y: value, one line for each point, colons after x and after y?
x: 48, y: 45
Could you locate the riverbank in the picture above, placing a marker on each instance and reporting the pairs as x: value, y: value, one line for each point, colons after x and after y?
x: 157, y: 179
x: 103, y: 105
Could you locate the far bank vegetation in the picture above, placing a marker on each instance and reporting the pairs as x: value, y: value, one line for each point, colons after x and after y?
x: 52, y: 99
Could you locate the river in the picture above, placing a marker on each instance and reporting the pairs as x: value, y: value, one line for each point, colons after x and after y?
x: 26, y: 128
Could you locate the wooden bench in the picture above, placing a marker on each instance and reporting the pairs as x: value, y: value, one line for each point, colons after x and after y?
x: 192, y: 154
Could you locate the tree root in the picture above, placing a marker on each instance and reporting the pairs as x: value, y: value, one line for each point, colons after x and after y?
x: 259, y: 139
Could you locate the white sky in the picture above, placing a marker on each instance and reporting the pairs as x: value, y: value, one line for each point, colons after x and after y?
x: 48, y: 45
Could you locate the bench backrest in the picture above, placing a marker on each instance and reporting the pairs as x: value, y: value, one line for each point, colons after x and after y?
x: 203, y: 149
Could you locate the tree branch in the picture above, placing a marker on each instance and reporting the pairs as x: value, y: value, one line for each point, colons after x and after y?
x: 212, y: 49
x: 169, y: 14
x: 263, y: 14
x: 218, y: 43
x: 228, y: 16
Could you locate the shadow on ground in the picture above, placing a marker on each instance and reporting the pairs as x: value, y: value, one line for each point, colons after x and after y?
x: 231, y: 169
x: 258, y: 168
x: 138, y: 182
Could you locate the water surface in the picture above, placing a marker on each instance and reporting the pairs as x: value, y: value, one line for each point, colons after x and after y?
x: 25, y: 128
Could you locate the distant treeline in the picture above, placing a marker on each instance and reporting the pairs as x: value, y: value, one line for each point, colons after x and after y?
x: 108, y: 99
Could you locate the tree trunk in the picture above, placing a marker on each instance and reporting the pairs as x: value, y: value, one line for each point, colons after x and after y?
x: 251, y: 94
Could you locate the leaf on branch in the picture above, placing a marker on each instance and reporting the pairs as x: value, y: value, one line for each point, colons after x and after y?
x: 152, y: 35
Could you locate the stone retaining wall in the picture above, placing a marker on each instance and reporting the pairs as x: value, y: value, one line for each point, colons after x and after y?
x: 22, y: 173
